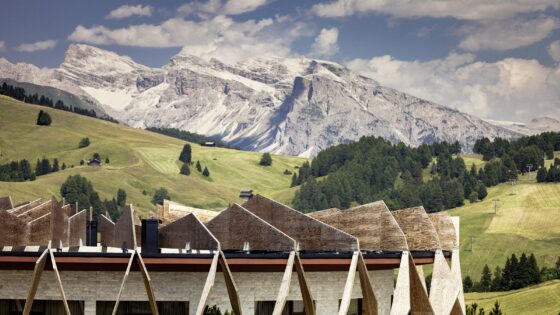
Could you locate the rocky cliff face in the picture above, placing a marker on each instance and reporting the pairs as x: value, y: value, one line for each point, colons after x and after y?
x: 281, y: 105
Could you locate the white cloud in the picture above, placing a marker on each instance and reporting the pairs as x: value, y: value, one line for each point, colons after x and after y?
x: 509, y: 89
x: 2, y: 45
x: 37, y: 46
x: 508, y: 34
x: 554, y: 51
x: 219, y: 7
x: 130, y: 10
x: 219, y: 36
x: 326, y: 43
x: 464, y: 10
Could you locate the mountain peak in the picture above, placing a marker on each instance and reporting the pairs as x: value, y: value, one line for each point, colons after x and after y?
x: 89, y: 57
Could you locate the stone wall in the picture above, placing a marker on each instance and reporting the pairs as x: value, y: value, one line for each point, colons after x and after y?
x: 89, y: 286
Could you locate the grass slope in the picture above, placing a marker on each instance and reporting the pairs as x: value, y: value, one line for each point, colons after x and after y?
x: 526, y: 221
x: 543, y: 299
x: 140, y: 161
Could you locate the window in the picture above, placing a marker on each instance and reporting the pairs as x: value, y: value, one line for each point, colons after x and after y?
x: 142, y: 308
x: 291, y: 308
x: 41, y: 307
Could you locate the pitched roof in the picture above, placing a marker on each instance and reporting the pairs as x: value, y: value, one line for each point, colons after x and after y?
x: 236, y: 225
x: 373, y: 224
x: 310, y: 233
x: 418, y: 228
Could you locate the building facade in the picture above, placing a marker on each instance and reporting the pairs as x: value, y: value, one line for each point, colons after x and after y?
x: 261, y: 257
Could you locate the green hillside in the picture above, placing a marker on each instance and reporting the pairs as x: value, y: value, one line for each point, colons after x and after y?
x: 526, y: 221
x: 543, y: 299
x: 55, y: 95
x: 139, y: 161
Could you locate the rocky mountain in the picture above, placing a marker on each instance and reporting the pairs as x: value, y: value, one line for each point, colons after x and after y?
x: 535, y: 126
x: 281, y: 105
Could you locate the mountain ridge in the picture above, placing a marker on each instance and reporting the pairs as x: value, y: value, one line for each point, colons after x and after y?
x: 294, y: 106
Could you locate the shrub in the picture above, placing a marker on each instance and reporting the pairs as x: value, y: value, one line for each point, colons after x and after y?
x: 44, y: 119
x: 83, y: 143
x: 266, y: 159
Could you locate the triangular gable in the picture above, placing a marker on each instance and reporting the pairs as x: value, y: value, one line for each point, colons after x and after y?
x: 418, y: 228
x: 124, y: 234
x: 6, y: 203
x: 77, y: 228
x: 445, y: 230
x: 13, y: 230
x: 236, y: 225
x: 373, y: 224
x: 107, y: 231
x: 190, y: 230
x: 311, y: 234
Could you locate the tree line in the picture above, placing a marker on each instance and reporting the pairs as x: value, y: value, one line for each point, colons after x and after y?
x: 19, y: 94
x: 552, y: 175
x: 525, y: 151
x: 374, y: 169
x: 19, y: 171
x: 516, y: 273
x: 187, y: 136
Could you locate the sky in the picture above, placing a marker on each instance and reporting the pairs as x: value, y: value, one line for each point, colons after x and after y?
x: 497, y: 59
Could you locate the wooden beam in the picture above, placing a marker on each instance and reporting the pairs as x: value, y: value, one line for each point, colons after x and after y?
x: 308, y: 303
x: 55, y: 269
x: 126, y: 273
x: 419, y: 301
x: 369, y: 299
x: 210, y: 279
x: 35, y: 278
x: 230, y: 285
x: 284, y: 286
x: 347, y: 294
x: 147, y: 284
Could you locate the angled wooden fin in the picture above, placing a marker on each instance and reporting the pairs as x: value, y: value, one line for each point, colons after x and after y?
x: 309, y: 305
x: 230, y: 285
x: 347, y: 294
x: 419, y: 301
x: 126, y: 273
x: 36, y: 278
x: 284, y: 286
x: 369, y: 298
x: 210, y: 279
x: 147, y: 284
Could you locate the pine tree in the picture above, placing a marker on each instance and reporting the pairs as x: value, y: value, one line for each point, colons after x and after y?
x: 63, y: 167
x: 198, y: 166
x: 186, y: 154
x: 160, y: 195
x: 107, y: 160
x: 43, y: 119
x: 496, y: 310
x: 467, y: 284
x: 205, y: 172
x: 121, y: 197
x: 185, y: 170
x: 541, y: 175
x: 482, y: 192
x: 294, y: 180
x: 266, y: 159
x: 486, y: 279
x: 55, y: 166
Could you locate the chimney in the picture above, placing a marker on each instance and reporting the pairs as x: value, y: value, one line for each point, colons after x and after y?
x: 150, y: 236
x: 91, y: 233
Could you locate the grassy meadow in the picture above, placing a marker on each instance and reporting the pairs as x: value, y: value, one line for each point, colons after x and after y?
x: 140, y: 161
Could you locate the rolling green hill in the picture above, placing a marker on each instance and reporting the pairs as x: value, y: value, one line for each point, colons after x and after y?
x: 55, y: 95
x: 543, y: 299
x: 141, y: 161
x: 526, y: 221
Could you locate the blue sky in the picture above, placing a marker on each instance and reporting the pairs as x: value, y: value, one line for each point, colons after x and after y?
x: 498, y: 59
